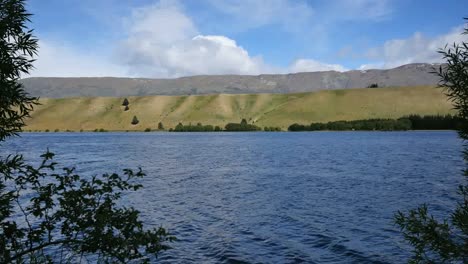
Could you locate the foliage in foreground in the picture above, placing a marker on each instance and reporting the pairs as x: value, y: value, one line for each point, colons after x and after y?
x: 48, y: 216
x: 444, y: 241
x: 75, y: 217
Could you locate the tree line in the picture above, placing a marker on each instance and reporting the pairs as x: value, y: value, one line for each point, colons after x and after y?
x: 199, y: 127
x: 411, y: 122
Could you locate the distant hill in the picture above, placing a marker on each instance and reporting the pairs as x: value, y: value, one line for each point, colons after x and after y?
x: 406, y: 75
x: 261, y: 109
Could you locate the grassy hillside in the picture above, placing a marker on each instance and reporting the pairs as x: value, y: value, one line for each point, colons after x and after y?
x: 262, y: 109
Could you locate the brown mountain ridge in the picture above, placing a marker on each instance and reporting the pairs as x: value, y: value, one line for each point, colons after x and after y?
x: 417, y: 74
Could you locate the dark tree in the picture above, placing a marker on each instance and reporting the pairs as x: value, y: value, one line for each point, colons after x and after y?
x: 243, y: 122
x: 51, y: 214
x: 179, y: 127
x: 135, y: 120
x: 17, y: 47
x: 373, y: 85
x: 126, y: 108
x: 125, y: 102
x: 160, y: 126
x: 445, y: 241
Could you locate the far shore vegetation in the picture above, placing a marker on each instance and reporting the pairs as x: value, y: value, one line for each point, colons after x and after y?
x: 411, y: 122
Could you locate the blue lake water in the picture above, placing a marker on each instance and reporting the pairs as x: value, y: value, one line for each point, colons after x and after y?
x: 321, y: 197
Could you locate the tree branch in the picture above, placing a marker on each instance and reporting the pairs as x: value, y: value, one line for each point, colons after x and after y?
x: 32, y: 249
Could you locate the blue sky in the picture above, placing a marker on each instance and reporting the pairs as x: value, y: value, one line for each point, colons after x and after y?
x: 168, y: 38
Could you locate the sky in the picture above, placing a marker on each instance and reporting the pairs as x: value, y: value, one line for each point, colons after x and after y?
x: 174, y: 38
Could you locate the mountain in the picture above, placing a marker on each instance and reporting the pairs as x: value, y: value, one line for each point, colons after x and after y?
x: 90, y: 113
x: 406, y: 75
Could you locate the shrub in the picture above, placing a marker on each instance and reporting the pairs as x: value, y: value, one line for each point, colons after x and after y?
x: 135, y: 120
x: 297, y: 127
x: 242, y: 126
x: 126, y: 108
x: 160, y: 126
x: 125, y: 102
x: 147, y: 129
x: 191, y: 128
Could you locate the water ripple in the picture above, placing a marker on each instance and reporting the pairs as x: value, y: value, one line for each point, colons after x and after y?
x: 272, y: 197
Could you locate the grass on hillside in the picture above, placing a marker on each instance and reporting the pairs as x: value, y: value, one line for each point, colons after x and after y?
x: 280, y: 110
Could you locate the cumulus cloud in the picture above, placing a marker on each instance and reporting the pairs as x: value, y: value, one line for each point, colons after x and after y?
x: 160, y: 40
x: 309, y: 65
x: 417, y: 48
x: 177, y: 49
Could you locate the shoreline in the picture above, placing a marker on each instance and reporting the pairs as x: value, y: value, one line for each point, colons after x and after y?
x: 283, y: 131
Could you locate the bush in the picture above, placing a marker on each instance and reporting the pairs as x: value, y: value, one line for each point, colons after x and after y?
x: 297, y: 127
x: 242, y: 126
x: 373, y: 85
x: 57, y: 130
x: 217, y: 128
x: 47, y: 130
x: 73, y: 215
x: 191, y: 128
x: 126, y: 108
x: 125, y: 102
x: 147, y: 129
x: 272, y: 129
x: 160, y: 126
x: 135, y: 120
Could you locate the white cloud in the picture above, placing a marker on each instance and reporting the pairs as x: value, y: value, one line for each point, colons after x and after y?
x: 309, y: 65
x: 177, y: 49
x: 160, y: 40
x: 57, y: 59
x: 417, y: 48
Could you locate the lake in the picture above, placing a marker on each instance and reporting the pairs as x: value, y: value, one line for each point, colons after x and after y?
x: 312, y: 197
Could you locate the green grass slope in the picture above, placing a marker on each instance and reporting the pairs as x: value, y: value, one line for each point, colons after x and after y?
x: 261, y: 109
